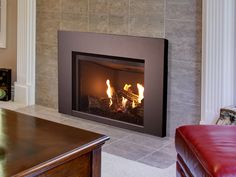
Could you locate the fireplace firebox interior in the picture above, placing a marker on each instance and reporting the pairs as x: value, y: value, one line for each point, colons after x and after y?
x: 107, y: 86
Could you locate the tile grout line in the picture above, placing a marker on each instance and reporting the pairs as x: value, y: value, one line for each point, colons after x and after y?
x: 129, y: 21
x: 178, y: 20
x: 88, y: 14
x: 164, y: 18
x: 138, y: 160
x: 108, y: 18
x: 113, y: 142
x: 158, y: 149
x: 144, y: 146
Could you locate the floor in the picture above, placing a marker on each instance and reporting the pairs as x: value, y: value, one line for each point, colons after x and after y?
x: 147, y: 149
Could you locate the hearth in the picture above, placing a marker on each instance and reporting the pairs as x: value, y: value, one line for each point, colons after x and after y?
x: 117, y: 80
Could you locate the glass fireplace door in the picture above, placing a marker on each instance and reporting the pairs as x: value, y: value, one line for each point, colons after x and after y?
x: 109, y: 87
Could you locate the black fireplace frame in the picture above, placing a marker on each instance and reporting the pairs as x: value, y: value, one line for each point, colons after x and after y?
x: 152, y: 50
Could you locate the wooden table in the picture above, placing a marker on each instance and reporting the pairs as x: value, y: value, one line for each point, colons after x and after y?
x: 30, y: 146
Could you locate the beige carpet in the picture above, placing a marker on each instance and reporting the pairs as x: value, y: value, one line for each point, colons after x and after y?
x: 114, y: 166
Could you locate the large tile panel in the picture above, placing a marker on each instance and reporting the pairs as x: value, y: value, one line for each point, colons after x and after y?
x: 48, y: 24
x: 75, y: 6
x: 47, y: 92
x: 74, y: 22
x: 49, y: 5
x: 146, y: 18
x: 118, y: 16
x: 98, y: 23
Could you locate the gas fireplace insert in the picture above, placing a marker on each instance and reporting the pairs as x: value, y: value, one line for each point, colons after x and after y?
x: 117, y: 80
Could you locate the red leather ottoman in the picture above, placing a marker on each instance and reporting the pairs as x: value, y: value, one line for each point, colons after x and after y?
x: 206, y: 150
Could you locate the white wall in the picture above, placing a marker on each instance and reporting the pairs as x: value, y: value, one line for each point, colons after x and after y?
x: 218, y: 59
x: 235, y: 56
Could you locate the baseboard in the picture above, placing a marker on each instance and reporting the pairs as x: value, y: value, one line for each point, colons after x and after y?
x: 202, y: 122
x: 23, y: 94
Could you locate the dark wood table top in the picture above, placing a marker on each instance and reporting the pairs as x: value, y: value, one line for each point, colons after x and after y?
x: 28, y: 143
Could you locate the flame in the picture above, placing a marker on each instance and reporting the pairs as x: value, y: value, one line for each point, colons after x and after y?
x: 126, y: 87
x: 140, y: 92
x: 133, y: 104
x: 109, y: 91
x: 110, y: 103
x: 124, y: 101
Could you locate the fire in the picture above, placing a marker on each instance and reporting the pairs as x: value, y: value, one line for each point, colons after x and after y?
x: 124, y: 101
x: 133, y: 105
x: 128, y: 98
x: 109, y: 91
x: 126, y: 87
x: 140, y: 92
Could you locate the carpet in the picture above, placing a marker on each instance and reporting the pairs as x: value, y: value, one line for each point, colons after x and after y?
x: 114, y: 166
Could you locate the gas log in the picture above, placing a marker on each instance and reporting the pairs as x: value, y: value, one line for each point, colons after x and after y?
x: 128, y: 95
x: 101, y: 107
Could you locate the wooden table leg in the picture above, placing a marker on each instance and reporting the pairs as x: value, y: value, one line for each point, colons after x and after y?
x: 96, y: 162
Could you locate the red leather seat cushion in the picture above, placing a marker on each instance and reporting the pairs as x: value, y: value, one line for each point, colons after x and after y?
x: 208, y: 150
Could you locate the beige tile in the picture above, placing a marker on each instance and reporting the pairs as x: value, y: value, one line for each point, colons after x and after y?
x: 128, y: 150
x: 180, y: 114
x: 48, y: 117
x: 51, y: 16
x: 147, y: 7
x: 119, y: 8
x: 146, y: 18
x: 118, y: 24
x: 181, y: 11
x: 47, y: 66
x: 49, y: 5
x: 78, y: 123
x: 147, y: 140
x: 149, y: 26
x: 98, y: 23
x: 52, y: 115
x: 191, y: 2
x: 42, y: 112
x: 170, y: 149
x: 47, y: 26
x: 176, y: 30
x: 46, y: 50
x: 33, y: 109
x: 110, y: 131
x: 110, y: 141
x: 184, y: 36
x: 10, y: 105
x: 98, y: 6
x: 190, y: 51
x: 75, y: 6
x: 74, y: 22
x: 47, y: 91
x: 118, y: 17
x: 159, y: 160
x: 185, y: 82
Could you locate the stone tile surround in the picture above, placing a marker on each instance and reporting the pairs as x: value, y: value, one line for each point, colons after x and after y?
x: 179, y: 21
x: 147, y: 149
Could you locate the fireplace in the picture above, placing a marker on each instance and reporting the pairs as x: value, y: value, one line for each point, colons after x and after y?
x: 117, y: 80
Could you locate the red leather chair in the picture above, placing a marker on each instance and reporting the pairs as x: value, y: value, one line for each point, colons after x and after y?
x: 206, y: 151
